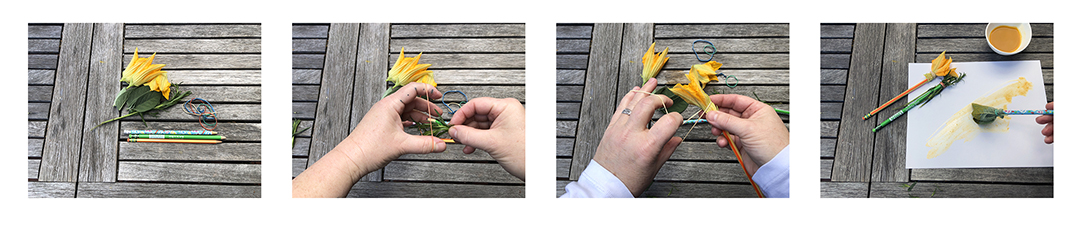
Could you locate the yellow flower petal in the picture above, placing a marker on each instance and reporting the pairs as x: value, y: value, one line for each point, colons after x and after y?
x: 694, y: 95
x: 706, y: 71
x: 652, y: 63
x: 407, y: 70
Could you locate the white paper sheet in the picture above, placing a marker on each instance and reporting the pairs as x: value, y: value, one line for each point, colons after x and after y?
x: 1021, y: 146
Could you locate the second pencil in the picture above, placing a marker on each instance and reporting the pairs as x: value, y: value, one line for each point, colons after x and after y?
x: 190, y: 137
x: 174, y: 141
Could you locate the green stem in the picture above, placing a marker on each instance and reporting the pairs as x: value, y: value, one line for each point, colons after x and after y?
x: 391, y: 90
x: 904, y: 110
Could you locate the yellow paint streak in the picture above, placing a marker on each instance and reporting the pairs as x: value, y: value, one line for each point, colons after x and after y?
x: 961, y: 125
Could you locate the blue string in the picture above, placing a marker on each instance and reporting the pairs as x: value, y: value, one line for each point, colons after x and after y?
x: 444, y: 96
x: 709, y: 53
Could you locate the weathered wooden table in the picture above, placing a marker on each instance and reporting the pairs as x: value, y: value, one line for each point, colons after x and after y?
x: 863, y: 66
x: 74, y: 73
x: 598, y: 63
x: 339, y: 72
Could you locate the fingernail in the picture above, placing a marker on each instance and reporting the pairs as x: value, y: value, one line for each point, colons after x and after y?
x: 453, y: 131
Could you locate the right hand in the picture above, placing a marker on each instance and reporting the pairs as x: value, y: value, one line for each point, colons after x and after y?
x: 1048, y: 121
x: 496, y: 126
x: 757, y: 130
x: 631, y: 151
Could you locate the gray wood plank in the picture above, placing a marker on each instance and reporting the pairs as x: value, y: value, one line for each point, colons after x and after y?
x: 889, y: 161
x: 306, y: 133
x: 569, y: 61
x: 1014, y: 175
x: 569, y: 93
x: 369, y: 88
x: 563, y: 167
x: 744, y: 76
x: 60, y: 158
x: 568, y: 111
x: 44, y: 31
x: 480, y: 76
x: 469, y: 61
x: 721, y: 30
x: 478, y: 45
x: 731, y: 61
x: 701, y: 172
x: 159, y: 190
x: 697, y: 190
x: 304, y: 110
x: 827, y: 148
x: 205, y: 61
x: 833, y: 76
x: 724, y: 45
x: 567, y: 129
x: 32, y: 166
x: 299, y: 165
x: 310, y: 31
x: 224, y: 112
x: 98, y: 157
x: 829, y: 129
x: 308, y: 61
x: 836, y: 45
x: 844, y: 189
x: 836, y: 31
x: 332, y: 118
x: 834, y: 61
x: 454, y: 152
x: 37, y: 111
x: 573, y: 31
x: 36, y: 129
x: 833, y: 93
x: 34, y: 147
x: 39, y: 93
x: 40, y: 76
x: 186, y: 152
x: 701, y: 132
x: 1037, y: 45
x: 233, y: 131
x: 215, y: 94
x: 306, y: 76
x: 447, y: 172
x: 308, y: 93
x: 188, y: 172
x: 191, y: 31
x: 42, y: 61
x: 37, y: 189
x: 635, y: 40
x: 310, y: 45
x: 565, y: 147
x: 458, y: 30
x: 433, y: 190
x: 1045, y: 58
x: 973, y: 30
x: 855, y: 145
x: 561, y: 184
x: 300, y: 147
x: 571, y: 77
x: 573, y: 46
x: 43, y: 46
x: 192, y: 45
x: 825, y: 169
x: 516, y: 92
x: 959, y: 190
x: 599, y: 99
x: 215, y: 77
x: 830, y: 111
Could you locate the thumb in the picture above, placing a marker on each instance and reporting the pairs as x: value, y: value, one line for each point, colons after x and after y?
x: 733, y: 124
x: 422, y: 145
x: 470, y: 136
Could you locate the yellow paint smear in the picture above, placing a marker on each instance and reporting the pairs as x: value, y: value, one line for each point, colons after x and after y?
x: 962, y: 125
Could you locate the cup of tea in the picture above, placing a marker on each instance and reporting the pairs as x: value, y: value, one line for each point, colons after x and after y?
x: 1007, y: 38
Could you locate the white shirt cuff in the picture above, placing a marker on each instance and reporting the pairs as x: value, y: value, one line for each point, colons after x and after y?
x: 774, y: 177
x: 596, y: 182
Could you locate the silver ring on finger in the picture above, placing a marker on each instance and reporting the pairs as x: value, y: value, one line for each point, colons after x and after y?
x: 626, y: 111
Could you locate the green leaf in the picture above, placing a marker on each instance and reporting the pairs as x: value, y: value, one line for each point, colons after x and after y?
x: 135, y: 94
x: 121, y: 99
x: 147, y: 102
x: 679, y: 105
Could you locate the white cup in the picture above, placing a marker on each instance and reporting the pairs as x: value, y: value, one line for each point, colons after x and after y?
x: 1024, y: 31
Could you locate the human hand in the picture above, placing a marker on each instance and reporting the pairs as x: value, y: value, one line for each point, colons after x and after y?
x: 631, y: 151
x: 1048, y: 121
x: 757, y: 130
x: 496, y: 126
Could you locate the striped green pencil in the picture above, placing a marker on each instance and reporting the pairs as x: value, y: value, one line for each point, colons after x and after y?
x: 924, y: 98
x: 188, y: 137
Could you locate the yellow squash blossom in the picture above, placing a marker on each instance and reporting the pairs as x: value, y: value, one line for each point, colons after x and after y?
x: 142, y: 71
x: 694, y: 94
x: 407, y: 70
x: 941, y: 67
x: 704, y: 73
x: 652, y: 63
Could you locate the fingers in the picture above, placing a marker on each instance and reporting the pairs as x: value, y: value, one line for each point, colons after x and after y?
x: 482, y: 108
x: 422, y: 144
x: 727, y: 122
x: 1044, y: 119
x: 624, y: 102
x: 408, y: 94
x: 644, y: 110
x: 1049, y: 106
x: 473, y: 138
x: 666, y: 126
x: 1049, y: 139
x: 1048, y: 130
x: 739, y: 105
x: 667, y: 150
x: 637, y: 94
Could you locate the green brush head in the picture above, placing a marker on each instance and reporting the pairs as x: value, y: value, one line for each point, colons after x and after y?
x: 985, y: 114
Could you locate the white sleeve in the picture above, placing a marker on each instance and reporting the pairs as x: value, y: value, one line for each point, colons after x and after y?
x: 774, y: 177
x: 596, y: 182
